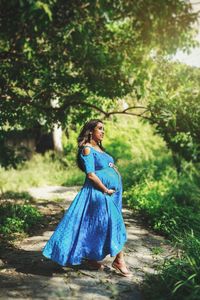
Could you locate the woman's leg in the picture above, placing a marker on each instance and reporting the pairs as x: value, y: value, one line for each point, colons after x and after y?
x: 119, y: 257
x: 120, y: 264
x: 95, y: 264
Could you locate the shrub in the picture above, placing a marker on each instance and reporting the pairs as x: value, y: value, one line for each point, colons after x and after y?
x: 18, y: 218
x: 158, y: 202
x: 178, y: 278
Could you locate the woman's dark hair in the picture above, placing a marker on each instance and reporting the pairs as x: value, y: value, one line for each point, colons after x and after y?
x: 85, y: 137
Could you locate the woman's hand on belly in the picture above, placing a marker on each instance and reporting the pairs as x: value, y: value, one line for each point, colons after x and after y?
x: 109, y: 191
x: 97, y: 182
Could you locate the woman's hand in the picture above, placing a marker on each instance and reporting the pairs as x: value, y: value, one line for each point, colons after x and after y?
x: 110, y: 191
x: 98, y: 183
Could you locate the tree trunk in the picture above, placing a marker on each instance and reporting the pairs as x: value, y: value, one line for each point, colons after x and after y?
x: 57, y: 138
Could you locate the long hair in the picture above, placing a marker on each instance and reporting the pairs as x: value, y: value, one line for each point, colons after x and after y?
x: 85, y: 137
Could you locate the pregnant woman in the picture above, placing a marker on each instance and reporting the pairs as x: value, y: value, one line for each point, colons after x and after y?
x: 93, y: 226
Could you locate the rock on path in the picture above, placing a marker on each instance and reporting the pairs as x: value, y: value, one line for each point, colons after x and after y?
x: 26, y: 274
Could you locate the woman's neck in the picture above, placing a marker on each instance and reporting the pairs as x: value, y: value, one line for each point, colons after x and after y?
x: 93, y: 143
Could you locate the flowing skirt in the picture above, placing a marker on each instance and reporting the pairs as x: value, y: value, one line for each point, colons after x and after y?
x: 92, y: 227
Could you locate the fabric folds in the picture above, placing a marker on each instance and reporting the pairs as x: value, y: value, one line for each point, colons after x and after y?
x: 93, y: 226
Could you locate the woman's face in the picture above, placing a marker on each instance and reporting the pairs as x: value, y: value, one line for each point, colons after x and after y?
x: 98, y: 132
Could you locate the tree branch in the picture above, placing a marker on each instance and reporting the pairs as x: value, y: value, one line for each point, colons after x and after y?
x: 71, y: 102
x: 107, y: 114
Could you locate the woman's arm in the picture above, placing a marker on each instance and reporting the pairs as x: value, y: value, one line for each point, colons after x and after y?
x: 98, y: 183
x: 88, y: 160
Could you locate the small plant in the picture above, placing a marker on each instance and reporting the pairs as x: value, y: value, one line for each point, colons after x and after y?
x: 18, y: 218
x: 157, y: 250
x: 178, y: 278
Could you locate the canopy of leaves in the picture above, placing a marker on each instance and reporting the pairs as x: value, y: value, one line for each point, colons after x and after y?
x: 60, y: 58
x: 174, y: 104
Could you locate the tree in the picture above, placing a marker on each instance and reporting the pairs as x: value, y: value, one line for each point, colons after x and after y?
x: 174, y: 105
x: 84, y: 54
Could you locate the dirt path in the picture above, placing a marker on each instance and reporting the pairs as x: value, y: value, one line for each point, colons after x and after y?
x: 26, y: 274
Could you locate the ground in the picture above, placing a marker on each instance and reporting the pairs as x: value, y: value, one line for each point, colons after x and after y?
x: 26, y: 274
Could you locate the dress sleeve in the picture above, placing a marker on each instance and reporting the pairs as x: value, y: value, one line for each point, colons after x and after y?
x: 87, y: 161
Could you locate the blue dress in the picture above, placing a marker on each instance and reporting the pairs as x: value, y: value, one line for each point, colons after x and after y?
x: 93, y: 226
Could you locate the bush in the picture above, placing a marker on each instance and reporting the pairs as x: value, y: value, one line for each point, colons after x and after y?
x: 18, y: 218
x: 137, y: 172
x: 178, y: 278
x: 169, y: 203
x: 159, y: 202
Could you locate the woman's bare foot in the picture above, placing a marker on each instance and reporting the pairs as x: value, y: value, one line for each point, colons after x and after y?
x: 119, y: 265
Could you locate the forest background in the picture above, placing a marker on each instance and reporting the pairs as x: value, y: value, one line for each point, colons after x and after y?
x: 65, y: 62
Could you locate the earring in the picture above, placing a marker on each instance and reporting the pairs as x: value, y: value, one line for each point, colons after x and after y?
x: 90, y: 136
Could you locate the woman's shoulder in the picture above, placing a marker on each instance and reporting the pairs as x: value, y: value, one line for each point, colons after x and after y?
x: 86, y: 149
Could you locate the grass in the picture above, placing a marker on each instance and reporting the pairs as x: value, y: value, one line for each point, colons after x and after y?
x: 157, y: 250
x: 178, y: 277
x: 39, y: 171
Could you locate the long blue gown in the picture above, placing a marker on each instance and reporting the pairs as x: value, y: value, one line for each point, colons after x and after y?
x: 93, y: 226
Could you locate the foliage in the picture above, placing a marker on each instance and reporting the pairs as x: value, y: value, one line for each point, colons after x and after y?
x: 142, y: 146
x: 174, y: 107
x: 12, y: 157
x: 60, y: 58
x: 169, y: 203
x: 45, y: 169
x: 17, y: 218
x: 131, y: 141
x: 12, y: 152
x: 178, y: 278
x: 165, y: 203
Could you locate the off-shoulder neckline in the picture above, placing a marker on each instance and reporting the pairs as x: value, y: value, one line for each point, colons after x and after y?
x: 94, y: 149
